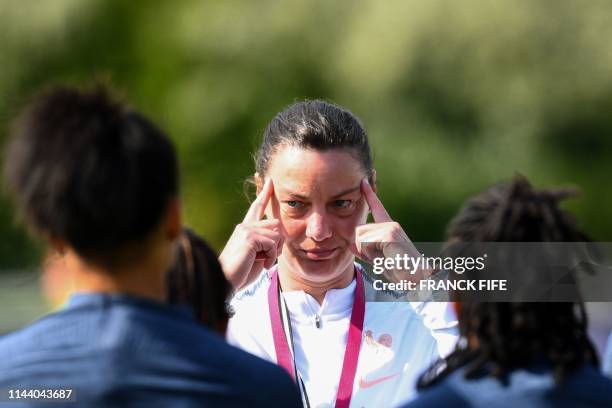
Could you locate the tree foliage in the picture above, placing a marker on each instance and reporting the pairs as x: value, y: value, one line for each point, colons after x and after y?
x: 455, y: 95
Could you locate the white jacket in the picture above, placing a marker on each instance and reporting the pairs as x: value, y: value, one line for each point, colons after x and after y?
x: 401, y: 339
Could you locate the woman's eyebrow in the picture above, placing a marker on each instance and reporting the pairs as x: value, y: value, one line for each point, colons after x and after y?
x: 303, y: 197
x: 345, y: 192
x: 293, y: 195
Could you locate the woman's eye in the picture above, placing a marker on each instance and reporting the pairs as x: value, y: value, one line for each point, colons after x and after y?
x: 343, y: 207
x: 342, y: 204
x: 294, y: 204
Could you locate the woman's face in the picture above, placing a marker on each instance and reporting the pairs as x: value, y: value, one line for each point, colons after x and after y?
x: 317, y: 198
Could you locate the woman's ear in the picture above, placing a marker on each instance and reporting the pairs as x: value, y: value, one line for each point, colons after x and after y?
x: 173, y: 221
x: 259, y: 182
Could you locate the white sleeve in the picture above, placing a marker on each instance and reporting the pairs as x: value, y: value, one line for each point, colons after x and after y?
x: 241, y: 333
x: 249, y: 328
x: 441, y: 321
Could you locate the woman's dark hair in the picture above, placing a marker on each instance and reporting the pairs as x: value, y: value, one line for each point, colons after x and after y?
x: 314, y: 125
x: 87, y: 170
x: 197, y: 280
x: 512, y: 335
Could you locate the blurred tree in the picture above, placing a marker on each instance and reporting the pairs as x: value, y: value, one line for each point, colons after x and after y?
x: 455, y: 95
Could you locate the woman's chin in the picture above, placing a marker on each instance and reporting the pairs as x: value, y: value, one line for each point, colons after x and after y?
x: 324, y: 270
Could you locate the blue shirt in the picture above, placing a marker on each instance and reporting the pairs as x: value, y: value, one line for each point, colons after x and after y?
x: 533, y: 387
x: 124, y: 351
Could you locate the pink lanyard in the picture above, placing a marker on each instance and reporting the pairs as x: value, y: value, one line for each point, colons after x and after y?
x: 351, y: 354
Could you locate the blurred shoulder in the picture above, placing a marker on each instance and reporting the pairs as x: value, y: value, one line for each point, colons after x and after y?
x: 251, y: 374
x: 35, y: 337
x: 587, y: 384
x: 441, y: 395
x: 256, y: 374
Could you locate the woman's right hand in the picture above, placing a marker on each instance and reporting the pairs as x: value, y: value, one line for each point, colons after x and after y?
x: 255, y: 243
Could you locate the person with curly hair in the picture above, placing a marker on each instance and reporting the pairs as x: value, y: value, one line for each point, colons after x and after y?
x: 517, y: 354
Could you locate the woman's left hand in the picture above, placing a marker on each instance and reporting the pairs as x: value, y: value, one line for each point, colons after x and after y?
x: 382, y: 238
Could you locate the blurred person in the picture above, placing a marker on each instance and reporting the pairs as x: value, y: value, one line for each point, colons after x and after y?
x: 302, y: 302
x: 99, y: 182
x: 197, y: 280
x: 511, y: 354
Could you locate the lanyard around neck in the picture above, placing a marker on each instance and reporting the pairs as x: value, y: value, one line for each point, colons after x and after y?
x: 351, y: 353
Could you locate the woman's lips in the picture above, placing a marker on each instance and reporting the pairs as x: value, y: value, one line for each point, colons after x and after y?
x: 319, y: 254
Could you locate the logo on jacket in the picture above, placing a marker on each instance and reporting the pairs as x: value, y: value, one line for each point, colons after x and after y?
x: 374, y: 355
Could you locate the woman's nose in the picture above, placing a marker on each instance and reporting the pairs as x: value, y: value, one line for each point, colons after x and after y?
x: 318, y: 229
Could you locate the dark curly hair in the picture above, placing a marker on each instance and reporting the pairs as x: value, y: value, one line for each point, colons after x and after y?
x: 497, y: 337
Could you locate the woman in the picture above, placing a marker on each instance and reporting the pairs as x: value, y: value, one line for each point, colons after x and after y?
x: 517, y: 354
x: 307, y: 311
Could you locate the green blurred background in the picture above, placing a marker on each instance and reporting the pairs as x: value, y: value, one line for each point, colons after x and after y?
x: 455, y: 95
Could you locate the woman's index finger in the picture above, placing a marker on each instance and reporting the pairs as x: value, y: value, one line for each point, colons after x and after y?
x: 258, y: 207
x: 379, y: 213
